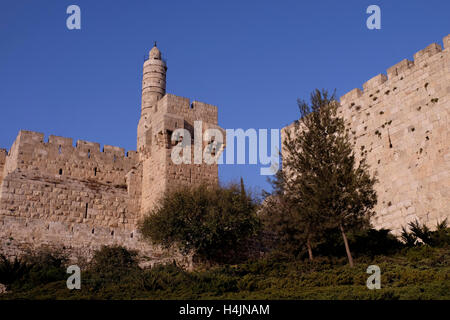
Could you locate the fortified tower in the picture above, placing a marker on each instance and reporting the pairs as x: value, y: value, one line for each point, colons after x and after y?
x: 161, y: 115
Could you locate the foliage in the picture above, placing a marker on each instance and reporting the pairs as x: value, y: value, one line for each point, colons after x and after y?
x: 323, y: 186
x: 421, y: 234
x: 215, y: 222
x: 31, y: 270
x: 416, y: 273
x: 366, y: 242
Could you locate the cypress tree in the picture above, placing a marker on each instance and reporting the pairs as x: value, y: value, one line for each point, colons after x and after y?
x: 329, y: 187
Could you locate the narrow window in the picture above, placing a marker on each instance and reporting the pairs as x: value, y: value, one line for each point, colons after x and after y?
x: 60, y: 149
x: 60, y: 171
x: 93, y: 231
x: 131, y: 235
x: 114, y: 160
x: 86, y: 211
x: 95, y: 171
x: 112, y: 233
x: 89, y: 153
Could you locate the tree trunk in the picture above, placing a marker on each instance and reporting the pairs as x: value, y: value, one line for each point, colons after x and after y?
x: 347, y: 248
x: 308, y: 244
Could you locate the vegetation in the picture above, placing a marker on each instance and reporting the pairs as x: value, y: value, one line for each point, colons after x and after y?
x: 324, y: 187
x: 32, y: 270
x: 421, y: 234
x: 215, y: 222
x: 414, y: 273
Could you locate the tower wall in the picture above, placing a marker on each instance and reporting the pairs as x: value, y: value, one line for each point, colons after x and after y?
x: 160, y: 173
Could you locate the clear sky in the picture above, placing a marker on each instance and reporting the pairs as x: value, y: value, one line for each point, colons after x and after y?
x: 252, y: 59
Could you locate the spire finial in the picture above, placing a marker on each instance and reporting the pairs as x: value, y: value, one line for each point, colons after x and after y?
x: 154, y: 43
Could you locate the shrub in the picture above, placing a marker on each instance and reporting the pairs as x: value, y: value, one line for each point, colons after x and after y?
x: 215, y: 222
x: 366, y: 242
x: 41, y: 267
x: 113, y: 259
x: 421, y: 234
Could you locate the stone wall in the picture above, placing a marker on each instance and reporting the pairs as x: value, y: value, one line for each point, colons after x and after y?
x: 401, y: 122
x: 77, y: 240
x: 3, y: 154
x: 58, y: 157
x: 47, y: 184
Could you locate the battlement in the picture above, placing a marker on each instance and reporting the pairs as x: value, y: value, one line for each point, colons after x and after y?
x: 399, y: 71
x: 3, y: 155
x: 82, y: 147
x: 182, y: 106
x: 58, y: 157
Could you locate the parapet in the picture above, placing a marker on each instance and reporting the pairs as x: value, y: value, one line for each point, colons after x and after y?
x: 399, y: 70
x: 184, y: 107
x: 64, y: 146
x: 88, y: 146
x: 3, y: 154
x: 26, y: 136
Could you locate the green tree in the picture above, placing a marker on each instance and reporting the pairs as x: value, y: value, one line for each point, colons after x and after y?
x: 214, y: 222
x: 329, y: 187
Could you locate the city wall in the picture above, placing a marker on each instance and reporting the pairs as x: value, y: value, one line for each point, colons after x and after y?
x: 401, y: 122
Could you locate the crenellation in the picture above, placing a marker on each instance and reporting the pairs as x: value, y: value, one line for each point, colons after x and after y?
x: 429, y: 51
x: 3, y: 155
x: 396, y: 75
x: 375, y: 82
x: 399, y: 68
x: 446, y: 42
x: 60, y: 141
x: 115, y: 151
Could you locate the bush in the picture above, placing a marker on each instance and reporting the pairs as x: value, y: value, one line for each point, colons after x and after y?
x: 215, y: 222
x: 369, y: 242
x: 421, y: 234
x: 112, y: 259
x: 32, y: 270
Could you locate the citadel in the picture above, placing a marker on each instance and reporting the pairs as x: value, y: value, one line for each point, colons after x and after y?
x: 81, y: 197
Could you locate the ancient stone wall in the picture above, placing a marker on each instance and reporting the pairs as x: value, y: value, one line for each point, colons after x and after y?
x: 78, y: 240
x: 401, y: 122
x: 3, y: 154
x: 59, y: 157
x: 47, y: 184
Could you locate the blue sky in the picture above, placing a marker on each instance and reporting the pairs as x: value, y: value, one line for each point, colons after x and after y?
x: 252, y: 59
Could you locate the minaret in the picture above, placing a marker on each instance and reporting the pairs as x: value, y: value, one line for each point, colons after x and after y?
x: 153, y: 89
x: 153, y: 158
x: 153, y: 80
